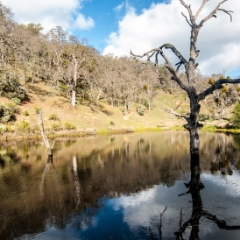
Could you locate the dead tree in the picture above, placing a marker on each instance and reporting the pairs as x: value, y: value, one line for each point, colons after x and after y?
x: 45, y: 139
x: 190, y: 66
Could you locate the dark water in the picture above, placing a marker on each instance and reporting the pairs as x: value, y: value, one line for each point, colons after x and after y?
x: 121, y: 187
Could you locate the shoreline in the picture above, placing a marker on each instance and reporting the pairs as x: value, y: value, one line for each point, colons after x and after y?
x: 93, y: 132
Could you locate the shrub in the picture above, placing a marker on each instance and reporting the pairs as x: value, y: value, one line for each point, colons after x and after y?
x: 211, y: 81
x: 36, y: 129
x: 203, y: 117
x: 53, y: 116
x: 237, y: 88
x: 16, y: 100
x: 11, y: 88
x: 69, y: 126
x: 224, y: 88
x: 56, y: 126
x: 24, y: 126
x: 9, y: 127
x: 25, y: 113
x: 141, y: 112
x: 3, y: 128
x: 7, y: 113
x: 37, y: 109
x: 145, y: 103
x: 112, y: 123
x: 236, y: 117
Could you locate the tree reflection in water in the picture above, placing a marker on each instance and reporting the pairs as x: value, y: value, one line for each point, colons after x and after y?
x: 118, y: 184
x: 195, y: 186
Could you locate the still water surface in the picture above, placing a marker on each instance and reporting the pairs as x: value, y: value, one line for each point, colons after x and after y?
x: 130, y: 186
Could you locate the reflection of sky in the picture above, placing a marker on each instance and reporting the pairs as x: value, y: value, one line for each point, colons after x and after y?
x: 128, y: 217
x: 231, y: 183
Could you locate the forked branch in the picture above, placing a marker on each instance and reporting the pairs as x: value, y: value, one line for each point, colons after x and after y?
x: 212, y: 14
x: 175, y: 51
x: 227, y: 12
x: 188, y: 7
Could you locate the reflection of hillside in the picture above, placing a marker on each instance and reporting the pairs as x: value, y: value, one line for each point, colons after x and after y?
x: 88, y: 169
x: 222, y: 151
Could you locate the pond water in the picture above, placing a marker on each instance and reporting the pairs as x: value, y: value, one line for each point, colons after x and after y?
x: 133, y: 186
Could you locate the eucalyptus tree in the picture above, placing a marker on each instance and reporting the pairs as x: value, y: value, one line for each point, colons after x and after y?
x: 80, y: 62
x: 7, y: 43
x: 190, y: 65
x: 150, y: 84
x: 34, y: 28
x: 107, y: 84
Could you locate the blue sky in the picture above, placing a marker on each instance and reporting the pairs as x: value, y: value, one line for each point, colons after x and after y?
x: 106, y: 15
x: 116, y: 26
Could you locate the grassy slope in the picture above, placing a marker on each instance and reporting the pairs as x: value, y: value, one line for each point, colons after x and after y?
x: 101, y: 118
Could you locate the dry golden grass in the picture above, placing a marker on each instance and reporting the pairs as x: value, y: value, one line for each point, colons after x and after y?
x: 102, y: 118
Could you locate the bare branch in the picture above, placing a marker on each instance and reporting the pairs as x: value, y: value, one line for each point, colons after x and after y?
x: 210, y: 15
x: 186, y: 19
x: 146, y: 54
x: 227, y: 12
x: 169, y: 110
x: 201, y: 7
x: 173, y: 72
x: 175, y: 51
x: 159, y: 51
x: 160, y: 223
x: 217, y: 85
x: 188, y: 7
x: 179, y: 64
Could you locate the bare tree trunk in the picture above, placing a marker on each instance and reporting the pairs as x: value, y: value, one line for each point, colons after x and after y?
x: 193, y: 125
x: 98, y: 96
x: 74, y: 81
x: 149, y: 104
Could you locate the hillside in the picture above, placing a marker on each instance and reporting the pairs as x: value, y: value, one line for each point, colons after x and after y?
x: 61, y: 118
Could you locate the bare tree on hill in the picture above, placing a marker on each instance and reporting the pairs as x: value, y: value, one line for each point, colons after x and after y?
x: 190, y: 65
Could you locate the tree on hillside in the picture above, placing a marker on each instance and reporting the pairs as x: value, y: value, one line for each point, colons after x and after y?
x: 190, y: 65
x: 35, y: 29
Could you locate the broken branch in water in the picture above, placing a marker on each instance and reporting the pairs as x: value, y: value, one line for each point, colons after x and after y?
x: 45, y: 139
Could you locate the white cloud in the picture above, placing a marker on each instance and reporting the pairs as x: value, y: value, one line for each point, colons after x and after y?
x: 84, y: 23
x: 119, y: 7
x: 50, y: 13
x: 218, y: 39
